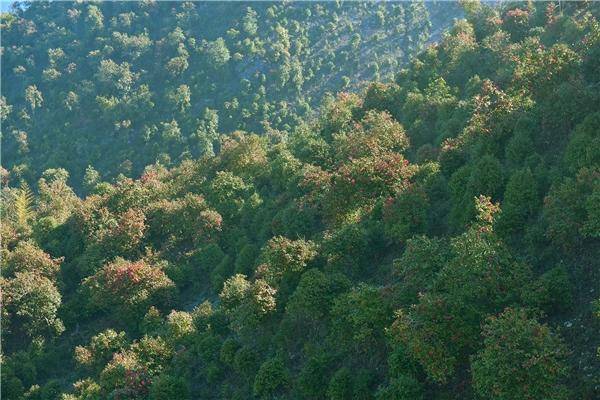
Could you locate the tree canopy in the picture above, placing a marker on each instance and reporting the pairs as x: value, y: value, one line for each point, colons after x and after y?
x: 178, y: 224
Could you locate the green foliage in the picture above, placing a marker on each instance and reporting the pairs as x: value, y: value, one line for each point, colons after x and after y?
x: 183, y: 222
x: 375, y: 134
x: 281, y: 257
x: 384, y: 245
x: 246, y: 362
x: 34, y: 97
x: 23, y: 206
x: 228, y: 194
x: 519, y: 147
x: 271, y: 379
x: 207, y: 257
x: 234, y: 291
x: 358, y: 319
x: 418, y: 266
x: 340, y: 386
x: 552, y: 292
x: 313, y: 378
x: 28, y: 257
x: 247, y: 302
x: 101, y: 348
x: 179, y: 325
x: 246, y: 259
x: 314, y: 295
x: 570, y: 211
x: 582, y: 150
x: 404, y: 387
x: 405, y: 214
x: 480, y: 278
x: 128, y: 288
x: 116, y: 69
x: 31, y: 303
x: 349, y: 249
x: 357, y: 182
x: 484, y: 178
x: 169, y: 387
x: 85, y: 389
x: 521, y: 201
x: 521, y: 358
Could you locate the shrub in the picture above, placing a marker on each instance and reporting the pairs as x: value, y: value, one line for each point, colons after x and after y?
x: 129, y: 287
x: 271, y: 379
x: 168, y: 387
x: 340, y: 385
x: 282, y: 257
x: 552, y: 292
x: 31, y: 302
x: 101, y: 348
x: 405, y: 214
x: 521, y: 359
x: 404, y: 387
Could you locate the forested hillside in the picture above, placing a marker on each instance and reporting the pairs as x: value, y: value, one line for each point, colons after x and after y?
x: 120, y: 85
x: 432, y: 237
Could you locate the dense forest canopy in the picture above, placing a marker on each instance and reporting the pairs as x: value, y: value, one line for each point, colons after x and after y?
x: 120, y: 85
x: 431, y: 236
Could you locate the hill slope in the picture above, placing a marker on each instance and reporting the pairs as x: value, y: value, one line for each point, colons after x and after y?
x: 436, y: 237
x: 120, y: 85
